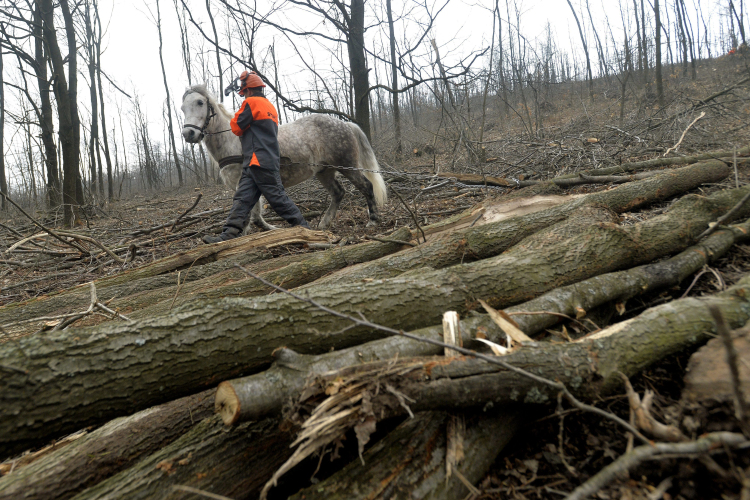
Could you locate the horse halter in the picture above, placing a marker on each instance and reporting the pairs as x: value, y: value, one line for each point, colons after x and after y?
x: 210, y: 113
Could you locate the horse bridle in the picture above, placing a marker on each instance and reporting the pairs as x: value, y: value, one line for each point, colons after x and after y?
x: 210, y: 113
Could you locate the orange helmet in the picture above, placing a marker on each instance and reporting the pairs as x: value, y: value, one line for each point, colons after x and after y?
x: 250, y: 80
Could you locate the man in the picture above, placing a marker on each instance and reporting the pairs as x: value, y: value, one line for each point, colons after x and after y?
x: 257, y: 125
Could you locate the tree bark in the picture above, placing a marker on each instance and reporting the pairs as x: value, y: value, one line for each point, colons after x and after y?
x: 265, y: 393
x: 475, y: 243
x: 106, y: 451
x: 234, y: 463
x: 409, y: 463
x: 114, y: 369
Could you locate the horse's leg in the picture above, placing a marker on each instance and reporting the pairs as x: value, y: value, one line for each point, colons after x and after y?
x: 364, y: 186
x: 327, y: 177
x: 256, y: 216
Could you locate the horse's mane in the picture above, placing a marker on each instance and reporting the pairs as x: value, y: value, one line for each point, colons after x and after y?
x: 203, y: 90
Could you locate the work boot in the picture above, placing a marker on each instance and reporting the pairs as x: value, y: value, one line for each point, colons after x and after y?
x: 226, y: 235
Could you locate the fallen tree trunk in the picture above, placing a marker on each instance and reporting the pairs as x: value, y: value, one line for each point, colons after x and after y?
x: 78, y: 298
x: 590, y: 367
x: 86, y: 376
x: 660, y: 162
x: 265, y: 393
x: 410, y: 461
x: 246, y: 248
x: 234, y: 463
x: 102, y: 453
x: 475, y: 243
x: 235, y: 283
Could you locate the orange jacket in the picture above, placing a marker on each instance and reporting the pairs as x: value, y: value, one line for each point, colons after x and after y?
x: 257, y: 125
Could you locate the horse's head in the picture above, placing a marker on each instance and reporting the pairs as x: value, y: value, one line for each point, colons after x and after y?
x: 198, y: 111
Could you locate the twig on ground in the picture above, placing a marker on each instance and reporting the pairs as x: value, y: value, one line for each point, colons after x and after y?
x: 724, y: 217
x: 40, y: 226
x: 195, y: 204
x: 740, y: 407
x: 413, y: 216
x: 676, y: 146
x: 180, y: 285
x: 709, y: 442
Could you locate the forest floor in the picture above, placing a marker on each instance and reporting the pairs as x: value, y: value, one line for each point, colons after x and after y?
x: 571, y: 140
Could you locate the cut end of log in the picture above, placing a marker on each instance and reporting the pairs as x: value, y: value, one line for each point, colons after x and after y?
x: 227, y: 403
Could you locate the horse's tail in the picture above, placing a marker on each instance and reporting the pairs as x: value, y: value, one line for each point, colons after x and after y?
x: 369, y: 165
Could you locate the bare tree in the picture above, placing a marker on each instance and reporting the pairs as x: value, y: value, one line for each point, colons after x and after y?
x: 657, y: 64
x: 394, y: 74
x: 169, y: 100
x: 3, y: 182
x: 66, y: 88
x: 585, y: 50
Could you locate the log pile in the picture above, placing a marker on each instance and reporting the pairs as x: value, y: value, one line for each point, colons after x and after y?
x: 356, y: 350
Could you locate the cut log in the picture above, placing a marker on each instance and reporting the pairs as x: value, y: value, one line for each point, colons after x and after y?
x: 193, y: 258
x: 234, y: 463
x: 89, y: 375
x: 410, y: 461
x: 78, y: 298
x: 491, y: 239
x: 267, y: 392
x: 590, y: 367
x: 222, y: 280
x: 102, y: 453
x: 635, y: 166
x: 235, y: 283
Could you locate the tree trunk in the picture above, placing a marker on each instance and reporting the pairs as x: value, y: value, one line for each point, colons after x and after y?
x: 409, y: 463
x: 355, y: 43
x: 394, y: 83
x: 234, y: 463
x: 66, y: 94
x: 585, y: 51
x: 169, y: 100
x: 114, y: 369
x: 3, y: 181
x: 265, y: 393
x: 107, y: 157
x: 657, y: 64
x: 94, y: 131
x: 46, y: 118
x: 106, y: 451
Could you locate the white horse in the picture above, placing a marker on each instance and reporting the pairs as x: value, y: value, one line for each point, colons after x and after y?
x: 317, y: 145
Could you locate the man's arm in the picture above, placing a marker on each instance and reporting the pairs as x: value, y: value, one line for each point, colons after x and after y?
x: 242, y: 119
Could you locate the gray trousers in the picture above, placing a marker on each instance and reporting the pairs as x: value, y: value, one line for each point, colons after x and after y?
x: 257, y: 181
